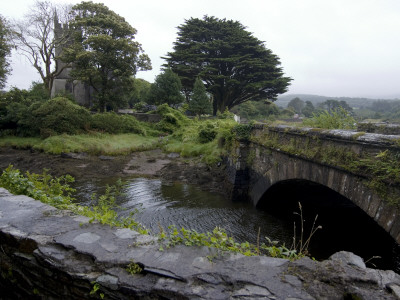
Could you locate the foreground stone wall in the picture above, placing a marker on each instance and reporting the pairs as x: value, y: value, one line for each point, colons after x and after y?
x: 50, y: 254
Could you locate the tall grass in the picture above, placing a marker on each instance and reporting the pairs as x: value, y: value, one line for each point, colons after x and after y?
x: 188, y: 141
x: 337, y: 119
x: 105, y: 144
x: 19, y: 142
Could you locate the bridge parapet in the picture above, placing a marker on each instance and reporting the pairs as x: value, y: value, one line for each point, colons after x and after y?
x: 47, y: 253
x: 356, y: 141
x: 363, y: 167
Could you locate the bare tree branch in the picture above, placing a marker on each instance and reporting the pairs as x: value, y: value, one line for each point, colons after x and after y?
x: 37, y: 41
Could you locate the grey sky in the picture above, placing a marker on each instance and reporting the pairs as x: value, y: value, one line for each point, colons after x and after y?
x: 329, y: 47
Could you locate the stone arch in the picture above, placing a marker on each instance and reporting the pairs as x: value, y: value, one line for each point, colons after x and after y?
x: 281, y: 167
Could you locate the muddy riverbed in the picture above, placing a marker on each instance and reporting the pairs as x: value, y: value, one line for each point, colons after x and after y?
x: 170, y: 167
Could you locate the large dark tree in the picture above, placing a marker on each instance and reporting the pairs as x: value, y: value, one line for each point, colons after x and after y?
x: 105, y: 54
x: 5, y: 50
x: 234, y: 65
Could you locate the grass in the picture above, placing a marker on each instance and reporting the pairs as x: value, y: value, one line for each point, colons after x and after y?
x: 187, y: 143
x: 105, y: 144
x: 19, y: 142
x: 204, y: 139
x: 96, y: 144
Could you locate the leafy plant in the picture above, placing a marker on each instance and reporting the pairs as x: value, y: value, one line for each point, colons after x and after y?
x: 220, y: 240
x: 134, y: 268
x: 95, y: 288
x: 207, y: 133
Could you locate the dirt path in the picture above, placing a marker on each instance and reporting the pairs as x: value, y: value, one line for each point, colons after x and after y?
x: 154, y: 163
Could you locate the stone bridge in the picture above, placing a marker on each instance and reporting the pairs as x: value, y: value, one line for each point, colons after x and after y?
x: 340, y: 160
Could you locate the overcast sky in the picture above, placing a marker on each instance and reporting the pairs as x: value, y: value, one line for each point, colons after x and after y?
x: 329, y: 47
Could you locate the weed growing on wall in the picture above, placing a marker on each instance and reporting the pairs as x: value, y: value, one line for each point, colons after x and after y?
x: 381, y: 170
x: 220, y: 240
x: 56, y: 192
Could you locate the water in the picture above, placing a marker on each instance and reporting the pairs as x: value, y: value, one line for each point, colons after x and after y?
x: 188, y: 206
x: 344, y: 226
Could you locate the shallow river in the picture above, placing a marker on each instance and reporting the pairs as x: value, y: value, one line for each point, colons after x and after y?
x: 188, y: 206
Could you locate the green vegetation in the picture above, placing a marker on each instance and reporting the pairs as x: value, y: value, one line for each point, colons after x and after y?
x: 200, y: 102
x: 166, y: 89
x: 234, y: 65
x: 219, y: 240
x: 134, y: 268
x: 105, y: 54
x: 58, y: 193
x: 95, y: 143
x: 382, y: 169
x: 336, y: 119
x: 112, y: 123
x: 5, y: 50
x: 96, y: 288
x: 260, y: 111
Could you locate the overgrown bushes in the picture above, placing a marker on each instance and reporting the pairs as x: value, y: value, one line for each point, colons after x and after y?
x: 112, y: 123
x: 172, y: 119
x: 60, y: 115
x: 336, y: 119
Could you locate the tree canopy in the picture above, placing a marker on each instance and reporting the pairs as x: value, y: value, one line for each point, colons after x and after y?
x: 234, y: 65
x: 5, y: 50
x: 166, y: 89
x: 297, y: 104
x: 105, y: 54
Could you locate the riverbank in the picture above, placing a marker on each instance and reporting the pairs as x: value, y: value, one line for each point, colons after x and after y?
x: 170, y: 167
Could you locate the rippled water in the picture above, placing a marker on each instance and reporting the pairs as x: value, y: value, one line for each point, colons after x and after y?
x: 188, y: 206
x: 184, y: 205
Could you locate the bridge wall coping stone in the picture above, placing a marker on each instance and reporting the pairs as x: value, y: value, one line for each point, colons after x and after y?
x: 372, y: 139
x: 53, y: 254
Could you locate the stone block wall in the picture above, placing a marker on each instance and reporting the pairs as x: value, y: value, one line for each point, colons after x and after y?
x: 47, y: 253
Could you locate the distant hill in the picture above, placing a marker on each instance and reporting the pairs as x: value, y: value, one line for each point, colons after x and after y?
x: 315, y: 99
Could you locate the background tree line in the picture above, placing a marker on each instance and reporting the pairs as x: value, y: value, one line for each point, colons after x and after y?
x: 214, y: 62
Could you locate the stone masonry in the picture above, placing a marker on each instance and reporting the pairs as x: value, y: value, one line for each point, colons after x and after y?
x: 47, y: 253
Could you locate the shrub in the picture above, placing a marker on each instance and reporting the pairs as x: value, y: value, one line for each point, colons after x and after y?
x: 171, y: 120
x: 207, y: 133
x: 112, y: 123
x: 60, y: 115
x: 337, y: 119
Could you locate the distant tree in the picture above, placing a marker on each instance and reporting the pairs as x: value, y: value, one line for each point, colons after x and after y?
x: 297, y: 104
x: 139, y: 92
x: 333, y: 105
x: 166, y: 89
x: 200, y: 102
x: 5, y: 50
x: 104, y: 52
x: 256, y: 110
x: 308, y: 109
x: 35, y: 39
x: 235, y: 66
